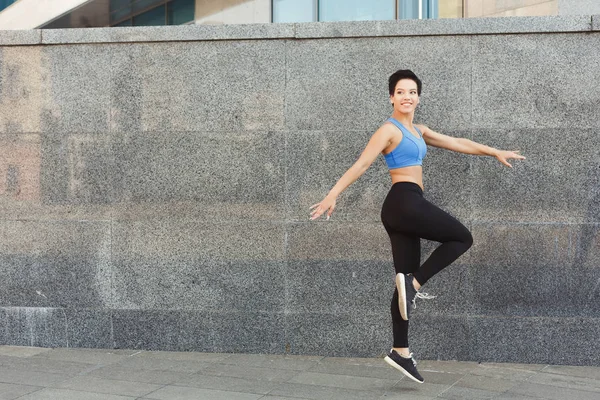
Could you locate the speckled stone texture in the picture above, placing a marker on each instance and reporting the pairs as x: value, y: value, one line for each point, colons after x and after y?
x: 168, y: 33
x: 199, y: 265
x: 535, y: 339
x: 538, y: 99
x: 462, y: 26
x: 55, y: 264
x: 74, y: 94
x: 331, y: 80
x: 596, y: 22
x: 155, y: 186
x: 34, y: 326
x: 19, y: 38
x: 219, y: 175
x: 205, y: 86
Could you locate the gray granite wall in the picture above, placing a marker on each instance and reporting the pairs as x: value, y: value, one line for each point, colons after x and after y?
x: 155, y: 186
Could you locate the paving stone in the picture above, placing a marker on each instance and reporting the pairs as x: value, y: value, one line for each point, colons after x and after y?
x: 381, y: 371
x: 497, y: 372
x: 367, y: 362
x: 344, y: 381
x: 584, y: 372
x: 421, y: 389
x: 136, y: 375
x: 108, y: 386
x: 442, y: 378
x: 297, y: 363
x: 133, y: 374
x: 462, y: 367
x: 189, y: 393
x: 227, y: 383
x: 527, y: 367
x: 461, y: 393
x: 9, y: 391
x: 10, y: 375
x: 63, y: 394
x: 40, y: 364
x: 249, y: 372
x: 143, y: 363
x: 551, y: 392
x: 571, y: 382
x: 183, y: 356
x: 404, y: 396
x: 269, y: 397
x: 315, y: 392
x: 512, y: 396
x: 22, y: 351
x: 486, y: 383
x: 88, y: 356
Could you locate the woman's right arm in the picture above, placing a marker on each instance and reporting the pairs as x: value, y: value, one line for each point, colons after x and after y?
x: 379, y: 141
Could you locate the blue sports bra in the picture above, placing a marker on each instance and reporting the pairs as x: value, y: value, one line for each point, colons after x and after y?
x: 410, y: 151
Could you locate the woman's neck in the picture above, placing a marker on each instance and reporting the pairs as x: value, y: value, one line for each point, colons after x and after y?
x: 404, y: 119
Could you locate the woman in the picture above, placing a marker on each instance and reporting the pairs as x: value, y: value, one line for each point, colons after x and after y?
x: 406, y: 215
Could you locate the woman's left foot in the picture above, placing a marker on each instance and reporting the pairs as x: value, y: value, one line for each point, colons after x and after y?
x: 406, y: 365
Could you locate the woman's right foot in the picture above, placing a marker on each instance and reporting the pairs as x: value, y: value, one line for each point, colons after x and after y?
x: 406, y: 294
x: 406, y: 365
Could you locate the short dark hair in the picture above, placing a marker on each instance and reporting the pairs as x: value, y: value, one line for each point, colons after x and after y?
x: 404, y: 74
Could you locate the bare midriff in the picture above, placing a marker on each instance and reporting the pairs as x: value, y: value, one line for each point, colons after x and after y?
x: 412, y: 174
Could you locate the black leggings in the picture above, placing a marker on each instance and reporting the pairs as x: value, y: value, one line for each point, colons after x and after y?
x: 407, y: 218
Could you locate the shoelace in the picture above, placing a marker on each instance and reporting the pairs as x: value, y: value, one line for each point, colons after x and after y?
x: 413, y: 359
x: 423, y: 296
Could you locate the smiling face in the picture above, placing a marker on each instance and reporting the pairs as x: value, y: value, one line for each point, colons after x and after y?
x: 405, y: 97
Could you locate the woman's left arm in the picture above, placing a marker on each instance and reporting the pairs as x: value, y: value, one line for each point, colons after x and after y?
x: 467, y: 146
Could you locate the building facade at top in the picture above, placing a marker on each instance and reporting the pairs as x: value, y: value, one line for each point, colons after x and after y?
x: 43, y: 14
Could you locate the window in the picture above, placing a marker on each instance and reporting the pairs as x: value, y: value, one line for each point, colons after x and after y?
x: 120, y: 9
x: 151, y: 12
x: 5, y: 3
x: 417, y: 9
x: 360, y: 10
x: 332, y: 10
x: 180, y: 12
x: 153, y: 17
x: 127, y: 22
x: 294, y: 11
x: 356, y: 10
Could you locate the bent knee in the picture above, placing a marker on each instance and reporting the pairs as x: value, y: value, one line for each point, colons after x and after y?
x: 467, y: 240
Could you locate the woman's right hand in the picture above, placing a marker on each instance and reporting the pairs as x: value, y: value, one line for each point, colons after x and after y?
x: 326, y: 205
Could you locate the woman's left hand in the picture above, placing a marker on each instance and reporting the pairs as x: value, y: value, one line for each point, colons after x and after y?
x: 326, y: 205
x: 504, y: 155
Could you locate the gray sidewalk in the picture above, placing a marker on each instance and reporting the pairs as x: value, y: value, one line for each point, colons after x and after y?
x: 82, y: 374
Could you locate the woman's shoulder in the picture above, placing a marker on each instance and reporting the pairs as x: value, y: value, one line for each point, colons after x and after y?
x: 388, y: 127
x: 421, y: 127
